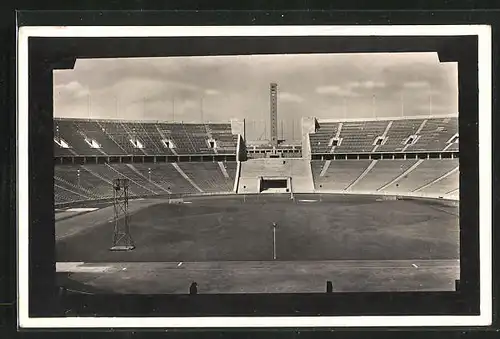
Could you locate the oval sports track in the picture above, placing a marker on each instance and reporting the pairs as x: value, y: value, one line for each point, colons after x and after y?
x: 225, y: 243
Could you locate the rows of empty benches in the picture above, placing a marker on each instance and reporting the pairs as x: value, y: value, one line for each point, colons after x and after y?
x: 92, y: 182
x: 404, y: 135
x: 435, y: 177
x: 108, y: 137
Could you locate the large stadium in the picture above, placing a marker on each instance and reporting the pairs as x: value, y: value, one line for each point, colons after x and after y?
x: 366, y: 204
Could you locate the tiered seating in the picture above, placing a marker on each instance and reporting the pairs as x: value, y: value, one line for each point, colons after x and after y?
x: 321, y: 139
x: 424, y: 173
x: 435, y: 134
x: 425, y: 178
x: 155, y: 137
x: 316, y: 167
x: 188, y: 138
x: 77, y: 183
x: 383, y: 172
x: 62, y: 152
x: 208, y: 176
x: 121, y: 134
x: 130, y: 172
x: 340, y: 174
x: 109, y: 174
x: 115, y: 137
x: 60, y: 198
x: 444, y: 186
x: 226, y: 141
x: 231, y: 168
x: 138, y: 130
x: 167, y: 177
x: 94, y: 131
x: 66, y: 130
x: 359, y: 136
x: 62, y: 195
x: 453, y: 147
x: 81, y: 181
x: 399, y: 131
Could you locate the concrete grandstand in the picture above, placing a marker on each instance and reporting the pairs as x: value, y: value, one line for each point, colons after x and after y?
x: 393, y: 156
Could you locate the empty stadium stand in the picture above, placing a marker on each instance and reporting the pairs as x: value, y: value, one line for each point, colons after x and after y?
x: 74, y: 183
x: 424, y: 172
x: 190, y: 176
x: 431, y: 177
x: 115, y: 137
x: 382, y: 172
x: 338, y: 175
x: 443, y: 185
x: 360, y: 136
x: 167, y: 176
x: 320, y: 141
x: 430, y: 134
x: 435, y: 134
x: 398, y: 133
x: 210, y: 176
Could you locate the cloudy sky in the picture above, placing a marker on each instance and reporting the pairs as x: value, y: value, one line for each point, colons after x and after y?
x: 218, y: 88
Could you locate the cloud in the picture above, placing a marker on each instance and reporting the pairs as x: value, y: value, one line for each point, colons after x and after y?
x: 416, y: 84
x: 72, y: 89
x: 335, y: 90
x: 186, y: 87
x: 351, y: 89
x: 289, y: 97
x: 211, y: 91
x: 435, y: 109
x: 367, y: 84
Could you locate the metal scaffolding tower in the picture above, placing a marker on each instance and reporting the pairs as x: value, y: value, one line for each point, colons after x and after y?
x: 122, y: 239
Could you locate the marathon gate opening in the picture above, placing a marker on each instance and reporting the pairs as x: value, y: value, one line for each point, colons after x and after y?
x: 275, y: 185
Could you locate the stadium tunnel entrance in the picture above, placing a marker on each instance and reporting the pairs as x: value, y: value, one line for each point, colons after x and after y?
x: 275, y: 185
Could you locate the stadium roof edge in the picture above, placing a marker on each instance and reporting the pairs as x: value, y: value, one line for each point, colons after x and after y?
x: 143, y: 121
x: 419, y: 117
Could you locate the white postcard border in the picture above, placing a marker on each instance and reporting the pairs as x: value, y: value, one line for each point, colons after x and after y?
x: 485, y: 177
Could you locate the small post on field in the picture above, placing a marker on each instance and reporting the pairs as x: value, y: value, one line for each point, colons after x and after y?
x: 274, y: 240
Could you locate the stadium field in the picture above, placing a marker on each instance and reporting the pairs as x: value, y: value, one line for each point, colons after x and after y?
x: 240, y: 229
x: 225, y: 243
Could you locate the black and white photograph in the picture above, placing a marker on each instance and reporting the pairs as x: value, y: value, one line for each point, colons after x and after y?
x: 259, y: 173
x: 267, y: 173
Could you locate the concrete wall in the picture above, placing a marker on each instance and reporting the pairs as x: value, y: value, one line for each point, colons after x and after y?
x: 451, y: 197
x: 298, y: 169
x: 308, y: 126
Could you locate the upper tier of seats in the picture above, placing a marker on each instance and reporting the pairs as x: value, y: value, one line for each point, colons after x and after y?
x: 428, y: 134
x: 154, y: 138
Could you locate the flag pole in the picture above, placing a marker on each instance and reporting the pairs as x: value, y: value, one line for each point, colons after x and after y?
x: 402, y: 104
x: 373, y: 106
x: 274, y: 240
x: 430, y: 102
x: 345, y: 108
x: 201, y: 109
